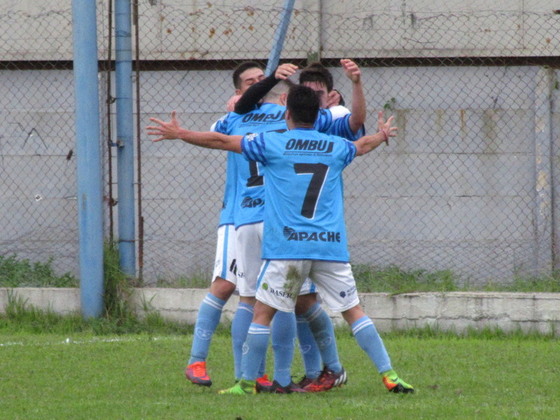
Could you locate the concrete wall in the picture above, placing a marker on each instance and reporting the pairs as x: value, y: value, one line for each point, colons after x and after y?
x: 456, y: 312
x: 179, y: 30
x: 467, y: 186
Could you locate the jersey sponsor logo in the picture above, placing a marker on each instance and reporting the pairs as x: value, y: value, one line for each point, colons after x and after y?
x: 292, y: 235
x: 323, y: 146
x: 281, y: 293
x: 250, y: 202
x: 263, y: 117
x: 233, y: 267
x: 347, y: 293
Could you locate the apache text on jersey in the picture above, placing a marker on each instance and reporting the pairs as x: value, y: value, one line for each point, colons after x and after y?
x: 314, y: 236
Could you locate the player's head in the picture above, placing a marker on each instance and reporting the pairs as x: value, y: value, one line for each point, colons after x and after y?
x: 279, y: 93
x: 317, y: 77
x: 246, y: 74
x: 302, y: 106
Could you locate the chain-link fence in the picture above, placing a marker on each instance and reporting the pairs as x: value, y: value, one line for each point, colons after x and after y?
x: 467, y: 186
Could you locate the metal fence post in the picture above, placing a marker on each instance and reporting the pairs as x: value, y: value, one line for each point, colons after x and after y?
x: 279, y: 37
x: 125, y: 143
x: 543, y: 171
x: 90, y: 196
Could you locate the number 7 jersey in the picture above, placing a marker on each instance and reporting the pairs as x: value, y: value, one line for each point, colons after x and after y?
x: 304, y: 212
x: 249, y: 202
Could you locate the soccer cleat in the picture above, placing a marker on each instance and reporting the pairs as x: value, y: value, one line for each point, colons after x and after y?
x: 395, y: 384
x: 327, y: 380
x: 303, y: 382
x: 243, y: 387
x: 196, y: 373
x: 264, y: 381
x: 276, y: 388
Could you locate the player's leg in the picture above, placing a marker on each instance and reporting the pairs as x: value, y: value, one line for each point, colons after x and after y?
x: 272, y: 296
x: 248, y: 251
x: 239, y: 327
x: 210, y: 310
x: 320, y: 324
x: 309, y: 350
x: 370, y: 341
x: 255, y: 347
x: 336, y: 277
x: 283, y: 334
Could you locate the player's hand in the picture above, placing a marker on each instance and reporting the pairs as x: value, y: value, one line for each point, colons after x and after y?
x: 230, y: 104
x: 386, y: 127
x: 285, y: 70
x: 165, y: 130
x: 333, y: 98
x: 351, y: 70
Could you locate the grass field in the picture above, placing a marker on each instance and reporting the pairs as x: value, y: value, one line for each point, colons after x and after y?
x: 140, y: 376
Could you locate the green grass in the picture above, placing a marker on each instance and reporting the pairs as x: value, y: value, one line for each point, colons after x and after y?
x: 392, y: 279
x: 16, y: 272
x: 140, y: 376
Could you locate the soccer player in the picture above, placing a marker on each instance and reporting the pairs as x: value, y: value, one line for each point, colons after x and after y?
x: 224, y: 278
x: 319, y: 78
x: 249, y: 214
x: 304, y: 233
x: 242, y: 259
x: 348, y: 125
x: 248, y: 217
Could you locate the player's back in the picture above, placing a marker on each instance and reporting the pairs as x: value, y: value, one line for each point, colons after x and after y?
x: 304, y: 214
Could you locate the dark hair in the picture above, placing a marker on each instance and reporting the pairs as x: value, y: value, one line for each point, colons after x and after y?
x: 303, y: 104
x: 316, y: 72
x: 246, y: 65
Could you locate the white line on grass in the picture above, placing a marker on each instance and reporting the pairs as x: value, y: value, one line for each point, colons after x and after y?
x: 70, y: 340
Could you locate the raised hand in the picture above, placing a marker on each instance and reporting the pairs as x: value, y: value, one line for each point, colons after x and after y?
x: 386, y: 127
x: 165, y: 130
x: 285, y: 70
x: 351, y: 70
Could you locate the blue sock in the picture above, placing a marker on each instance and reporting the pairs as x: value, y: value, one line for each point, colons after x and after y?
x: 283, y: 336
x: 323, y: 331
x: 239, y: 327
x: 255, y: 347
x: 207, y: 320
x: 369, y: 340
x: 308, y: 349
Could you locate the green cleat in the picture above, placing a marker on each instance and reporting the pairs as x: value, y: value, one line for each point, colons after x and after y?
x: 395, y: 384
x: 243, y: 387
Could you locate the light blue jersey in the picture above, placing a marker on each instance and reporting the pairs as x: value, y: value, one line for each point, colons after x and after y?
x: 249, y: 184
x: 228, y: 202
x: 304, y: 212
x: 341, y: 127
x: 249, y: 188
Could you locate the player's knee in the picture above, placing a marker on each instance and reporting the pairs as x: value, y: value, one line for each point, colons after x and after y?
x: 353, y: 314
x: 222, y: 288
x: 305, y: 302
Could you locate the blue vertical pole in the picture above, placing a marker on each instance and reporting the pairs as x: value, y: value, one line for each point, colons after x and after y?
x: 125, y: 131
x: 88, y: 151
x: 279, y: 37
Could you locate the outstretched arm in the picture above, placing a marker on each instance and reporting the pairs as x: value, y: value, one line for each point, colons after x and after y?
x: 366, y: 144
x: 210, y: 139
x: 256, y: 92
x: 358, y: 117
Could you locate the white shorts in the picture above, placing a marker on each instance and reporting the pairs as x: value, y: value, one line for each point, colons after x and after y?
x: 248, y: 249
x: 225, y: 264
x: 249, y: 261
x: 280, y: 282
